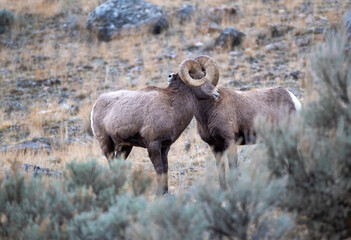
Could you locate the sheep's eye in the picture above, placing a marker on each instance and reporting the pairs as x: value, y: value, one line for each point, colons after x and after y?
x: 169, y: 76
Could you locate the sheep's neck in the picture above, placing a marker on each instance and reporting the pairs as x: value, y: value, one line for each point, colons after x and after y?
x: 183, y: 102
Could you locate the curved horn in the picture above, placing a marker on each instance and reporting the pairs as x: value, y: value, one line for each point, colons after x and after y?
x: 210, y: 67
x: 188, y: 67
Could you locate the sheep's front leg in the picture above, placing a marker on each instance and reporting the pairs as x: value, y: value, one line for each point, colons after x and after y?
x: 164, y: 157
x: 218, y: 153
x: 154, y: 150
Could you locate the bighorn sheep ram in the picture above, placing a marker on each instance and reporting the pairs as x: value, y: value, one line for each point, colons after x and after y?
x: 152, y: 117
x: 229, y: 121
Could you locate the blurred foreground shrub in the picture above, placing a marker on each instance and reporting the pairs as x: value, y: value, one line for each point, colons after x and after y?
x: 313, y: 151
x: 88, y: 201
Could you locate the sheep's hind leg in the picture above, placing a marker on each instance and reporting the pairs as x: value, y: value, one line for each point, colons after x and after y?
x: 218, y: 153
x: 108, y: 147
x: 154, y: 149
x: 124, y: 152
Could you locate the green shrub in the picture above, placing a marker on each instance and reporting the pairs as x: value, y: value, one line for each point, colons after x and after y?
x: 247, y: 210
x: 140, y: 182
x: 27, y: 204
x: 91, y: 182
x: 47, y: 208
x: 169, y: 218
x: 315, y: 151
x: 111, y: 224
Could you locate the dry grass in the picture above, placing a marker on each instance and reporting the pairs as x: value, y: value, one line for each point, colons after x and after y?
x: 42, y: 7
x: 87, y: 69
x: 48, y: 8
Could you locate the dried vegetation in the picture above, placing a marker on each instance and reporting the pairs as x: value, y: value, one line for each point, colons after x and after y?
x: 52, y: 69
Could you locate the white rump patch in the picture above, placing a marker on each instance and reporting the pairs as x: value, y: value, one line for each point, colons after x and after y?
x: 91, y: 119
x: 296, y: 101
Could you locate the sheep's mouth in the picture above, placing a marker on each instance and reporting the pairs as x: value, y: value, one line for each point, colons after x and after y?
x: 216, y: 93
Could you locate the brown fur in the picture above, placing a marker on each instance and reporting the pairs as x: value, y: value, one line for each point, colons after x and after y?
x: 152, y: 118
x: 230, y: 120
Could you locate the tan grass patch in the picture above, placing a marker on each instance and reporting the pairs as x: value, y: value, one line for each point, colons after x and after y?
x: 49, y: 8
x: 9, y: 158
x: 42, y: 7
x: 38, y: 117
x: 81, y: 152
x: 4, y: 123
x: 292, y: 4
x: 84, y: 115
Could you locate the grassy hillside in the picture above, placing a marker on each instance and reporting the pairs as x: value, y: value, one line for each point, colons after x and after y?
x: 53, y: 69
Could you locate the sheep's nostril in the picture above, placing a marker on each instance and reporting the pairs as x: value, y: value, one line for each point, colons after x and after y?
x: 216, y: 93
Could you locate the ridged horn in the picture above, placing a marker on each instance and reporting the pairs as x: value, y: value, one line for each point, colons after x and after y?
x: 192, y: 67
x: 210, y: 67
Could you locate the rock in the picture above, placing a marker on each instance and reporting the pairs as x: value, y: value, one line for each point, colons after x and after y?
x: 28, y: 83
x: 17, y: 92
x: 245, y: 87
x: 296, y: 74
x: 223, y: 13
x: 54, y: 160
x: 71, y: 23
x: 36, y: 144
x: 257, y: 76
x: 275, y: 46
x: 12, y: 105
x: 261, y: 38
x: 319, y: 30
x: 194, y: 46
x: 278, y: 30
x: 111, y: 17
x: 304, y: 41
x: 185, y: 13
x: 160, y: 26
x: 235, y: 83
x: 14, y: 132
x: 6, y: 20
x: 37, y: 170
x: 236, y: 53
x: 229, y: 38
x: 214, y: 27
x: 187, y: 145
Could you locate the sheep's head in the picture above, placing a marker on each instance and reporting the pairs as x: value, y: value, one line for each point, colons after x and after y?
x: 201, y: 74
